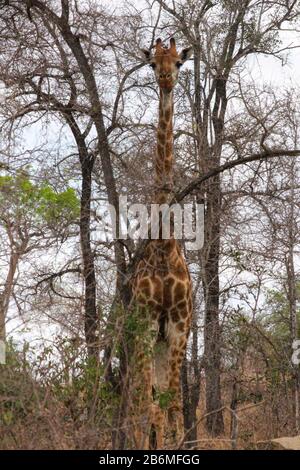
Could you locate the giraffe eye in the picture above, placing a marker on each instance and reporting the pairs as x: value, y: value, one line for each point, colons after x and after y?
x: 153, y: 65
x: 178, y: 64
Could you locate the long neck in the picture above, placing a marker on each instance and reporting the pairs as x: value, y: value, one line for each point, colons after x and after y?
x: 164, y: 152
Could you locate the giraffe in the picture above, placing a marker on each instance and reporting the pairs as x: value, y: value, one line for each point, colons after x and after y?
x: 161, y: 285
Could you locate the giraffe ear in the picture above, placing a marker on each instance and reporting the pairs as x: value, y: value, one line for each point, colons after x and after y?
x: 185, y: 54
x: 146, y: 55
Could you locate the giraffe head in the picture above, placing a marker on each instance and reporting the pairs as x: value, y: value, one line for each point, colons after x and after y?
x: 166, y: 62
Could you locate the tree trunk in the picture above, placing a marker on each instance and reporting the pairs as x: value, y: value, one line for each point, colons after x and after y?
x: 186, y: 401
x: 91, y: 320
x: 212, y: 336
x: 5, y: 295
x: 2, y: 322
x: 191, y: 388
x: 234, y: 425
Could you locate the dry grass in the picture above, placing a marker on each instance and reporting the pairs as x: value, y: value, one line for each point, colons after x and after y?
x: 49, y: 413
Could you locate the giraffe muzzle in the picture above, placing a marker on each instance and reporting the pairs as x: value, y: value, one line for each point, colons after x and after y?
x: 166, y: 85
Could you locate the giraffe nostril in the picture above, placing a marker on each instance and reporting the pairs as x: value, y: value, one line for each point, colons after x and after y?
x: 161, y: 75
x: 168, y: 76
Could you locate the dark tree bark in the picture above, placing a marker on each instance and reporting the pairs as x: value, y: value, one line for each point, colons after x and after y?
x: 211, y: 288
x: 186, y: 401
x: 91, y: 318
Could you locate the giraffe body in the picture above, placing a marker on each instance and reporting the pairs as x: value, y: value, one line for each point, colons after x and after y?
x: 162, y: 287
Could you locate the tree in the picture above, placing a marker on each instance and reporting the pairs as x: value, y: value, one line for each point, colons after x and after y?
x: 27, y: 213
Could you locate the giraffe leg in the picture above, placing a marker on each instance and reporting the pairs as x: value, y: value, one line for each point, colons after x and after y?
x: 161, y: 384
x: 142, y: 400
x: 177, y: 345
x: 158, y: 428
x: 142, y: 389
